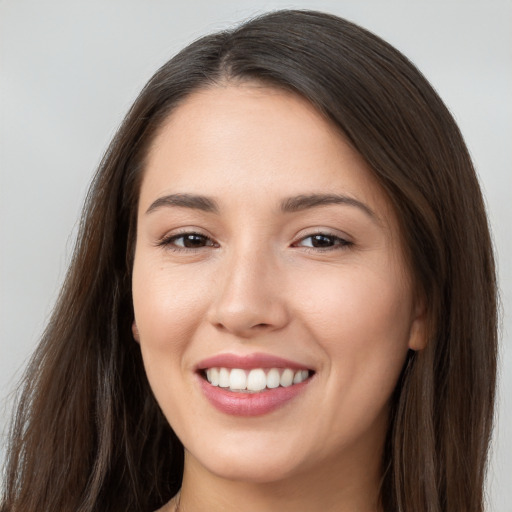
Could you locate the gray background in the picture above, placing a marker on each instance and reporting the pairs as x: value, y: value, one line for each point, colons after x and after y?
x: 70, y: 70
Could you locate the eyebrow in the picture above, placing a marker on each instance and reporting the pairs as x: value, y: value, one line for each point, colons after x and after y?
x: 193, y: 201
x: 288, y: 205
x: 304, y: 202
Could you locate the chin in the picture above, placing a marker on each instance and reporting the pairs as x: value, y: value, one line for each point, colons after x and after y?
x: 254, y: 472
x: 251, y: 462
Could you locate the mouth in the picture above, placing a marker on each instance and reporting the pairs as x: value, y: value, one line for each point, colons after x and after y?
x: 252, y: 385
x: 255, y: 380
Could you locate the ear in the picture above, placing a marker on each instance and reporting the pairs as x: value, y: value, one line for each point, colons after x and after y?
x: 418, y: 332
x: 135, y: 332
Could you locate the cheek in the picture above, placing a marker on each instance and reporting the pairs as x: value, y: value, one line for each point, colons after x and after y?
x: 362, y: 319
x: 357, y: 300
x: 168, y: 307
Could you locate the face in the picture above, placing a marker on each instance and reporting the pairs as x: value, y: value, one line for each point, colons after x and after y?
x: 272, y: 304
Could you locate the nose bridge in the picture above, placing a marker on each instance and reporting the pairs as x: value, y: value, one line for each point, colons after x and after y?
x: 250, y: 296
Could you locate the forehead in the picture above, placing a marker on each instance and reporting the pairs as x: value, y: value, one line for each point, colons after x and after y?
x: 257, y: 144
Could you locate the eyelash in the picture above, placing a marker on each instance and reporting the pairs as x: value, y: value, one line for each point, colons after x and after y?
x: 338, y: 242
x: 169, y: 242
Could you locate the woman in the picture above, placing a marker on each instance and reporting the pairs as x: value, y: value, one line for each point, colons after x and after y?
x: 282, y: 295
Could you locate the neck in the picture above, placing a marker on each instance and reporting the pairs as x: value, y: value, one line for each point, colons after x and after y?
x: 331, y: 486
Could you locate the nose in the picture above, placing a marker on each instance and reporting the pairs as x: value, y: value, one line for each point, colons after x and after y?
x: 250, y: 298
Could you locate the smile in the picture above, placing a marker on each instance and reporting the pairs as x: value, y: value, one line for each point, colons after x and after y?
x: 252, y: 384
x: 255, y: 380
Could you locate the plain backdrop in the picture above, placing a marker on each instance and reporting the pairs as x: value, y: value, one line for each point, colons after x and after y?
x: 69, y: 70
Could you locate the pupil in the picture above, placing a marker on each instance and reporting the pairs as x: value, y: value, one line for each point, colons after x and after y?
x: 322, y: 241
x: 192, y: 241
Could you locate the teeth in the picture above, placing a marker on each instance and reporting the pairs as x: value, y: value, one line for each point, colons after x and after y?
x: 300, y: 376
x: 273, y: 378
x: 237, y: 379
x: 286, y: 378
x: 223, y: 378
x: 212, y: 374
x: 254, y: 380
x: 257, y: 380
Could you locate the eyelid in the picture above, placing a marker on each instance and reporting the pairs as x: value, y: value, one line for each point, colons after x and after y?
x: 165, y: 242
x: 312, y: 231
x: 343, y: 239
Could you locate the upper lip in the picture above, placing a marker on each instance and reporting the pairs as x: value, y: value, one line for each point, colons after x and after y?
x: 246, y: 362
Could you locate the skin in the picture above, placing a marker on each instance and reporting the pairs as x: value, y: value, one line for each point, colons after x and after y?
x: 256, y: 284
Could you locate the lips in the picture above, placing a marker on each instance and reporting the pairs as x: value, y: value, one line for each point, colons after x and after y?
x: 251, y: 385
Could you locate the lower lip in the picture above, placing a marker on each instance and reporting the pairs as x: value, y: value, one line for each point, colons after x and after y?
x: 250, y: 404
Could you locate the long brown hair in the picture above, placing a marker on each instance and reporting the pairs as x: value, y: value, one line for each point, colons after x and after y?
x: 88, y: 434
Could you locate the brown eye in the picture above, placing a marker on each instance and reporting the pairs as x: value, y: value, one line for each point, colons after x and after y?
x: 323, y: 241
x: 192, y: 241
x: 187, y: 241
